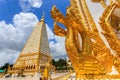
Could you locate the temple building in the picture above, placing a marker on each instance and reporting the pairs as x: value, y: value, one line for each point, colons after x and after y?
x: 35, y: 55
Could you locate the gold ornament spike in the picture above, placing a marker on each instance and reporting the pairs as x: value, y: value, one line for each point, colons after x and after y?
x: 72, y: 2
x: 96, y: 0
x: 111, y: 2
x: 35, y: 53
x: 77, y: 54
x: 73, y: 18
x: 71, y: 47
x: 102, y: 2
x: 108, y: 31
x: 91, y: 22
x: 58, y: 30
x: 46, y: 74
x: 96, y: 57
x: 97, y: 38
x: 57, y: 15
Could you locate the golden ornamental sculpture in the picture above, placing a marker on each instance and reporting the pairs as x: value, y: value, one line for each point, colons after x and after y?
x: 91, y: 51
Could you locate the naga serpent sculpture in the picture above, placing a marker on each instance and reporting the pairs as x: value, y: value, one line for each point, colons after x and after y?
x: 90, y: 54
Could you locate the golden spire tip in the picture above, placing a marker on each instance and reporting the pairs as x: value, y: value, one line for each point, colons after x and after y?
x: 43, y: 15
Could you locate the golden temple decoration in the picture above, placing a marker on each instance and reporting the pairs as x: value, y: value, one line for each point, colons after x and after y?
x: 86, y: 49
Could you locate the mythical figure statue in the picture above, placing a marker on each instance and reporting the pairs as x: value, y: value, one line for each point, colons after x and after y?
x: 86, y: 49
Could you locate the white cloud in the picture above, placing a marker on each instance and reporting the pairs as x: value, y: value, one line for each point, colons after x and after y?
x: 27, y: 5
x: 58, y: 47
x: 50, y: 33
x: 56, y: 44
x: 2, y: 1
x: 35, y: 3
x: 13, y: 37
x: 8, y: 55
x: 97, y: 10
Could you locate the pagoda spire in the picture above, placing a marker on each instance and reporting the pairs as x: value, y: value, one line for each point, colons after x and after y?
x: 35, y: 53
x: 42, y: 19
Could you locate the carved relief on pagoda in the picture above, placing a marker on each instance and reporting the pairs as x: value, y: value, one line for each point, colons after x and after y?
x: 44, y: 45
x: 32, y: 45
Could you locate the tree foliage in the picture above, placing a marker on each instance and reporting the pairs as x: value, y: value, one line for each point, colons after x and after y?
x: 5, y: 66
x: 60, y: 64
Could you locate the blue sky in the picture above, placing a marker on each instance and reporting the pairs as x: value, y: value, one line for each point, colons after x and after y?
x: 8, y: 8
x: 17, y: 20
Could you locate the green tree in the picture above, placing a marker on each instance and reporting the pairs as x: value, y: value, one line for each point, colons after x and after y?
x: 54, y: 63
x: 59, y: 64
x: 5, y: 67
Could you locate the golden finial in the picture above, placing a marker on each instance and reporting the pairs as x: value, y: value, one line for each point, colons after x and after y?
x: 42, y: 19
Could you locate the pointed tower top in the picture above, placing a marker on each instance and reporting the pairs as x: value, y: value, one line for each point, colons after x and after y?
x: 42, y: 19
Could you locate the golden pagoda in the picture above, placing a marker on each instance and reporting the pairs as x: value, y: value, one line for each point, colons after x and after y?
x: 35, y: 55
x: 93, y: 46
